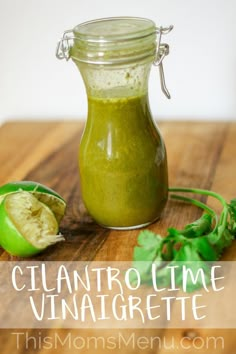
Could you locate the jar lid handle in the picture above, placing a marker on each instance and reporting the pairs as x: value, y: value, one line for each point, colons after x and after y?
x: 64, y: 45
x: 161, y: 51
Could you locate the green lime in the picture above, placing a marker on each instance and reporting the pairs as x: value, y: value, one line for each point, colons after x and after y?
x: 27, y: 226
x: 44, y: 194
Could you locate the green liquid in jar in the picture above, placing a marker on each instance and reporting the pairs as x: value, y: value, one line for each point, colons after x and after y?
x: 122, y: 161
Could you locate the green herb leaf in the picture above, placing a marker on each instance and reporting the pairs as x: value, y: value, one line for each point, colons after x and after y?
x: 232, y: 210
x: 199, y: 227
x: 205, y: 249
x: 197, y: 243
x: 148, y: 239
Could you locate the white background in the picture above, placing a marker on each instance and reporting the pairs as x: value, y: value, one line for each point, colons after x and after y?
x: 200, y: 70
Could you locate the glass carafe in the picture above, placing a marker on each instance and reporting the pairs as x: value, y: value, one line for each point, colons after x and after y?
x: 122, y: 156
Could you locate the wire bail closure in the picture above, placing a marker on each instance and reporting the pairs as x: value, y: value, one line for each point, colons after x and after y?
x: 64, y: 45
x: 162, y: 50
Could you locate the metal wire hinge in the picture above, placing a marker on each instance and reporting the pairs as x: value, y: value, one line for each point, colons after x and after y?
x: 64, y: 45
x: 161, y: 52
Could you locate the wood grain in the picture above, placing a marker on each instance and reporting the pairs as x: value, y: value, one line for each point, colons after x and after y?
x: 199, y: 154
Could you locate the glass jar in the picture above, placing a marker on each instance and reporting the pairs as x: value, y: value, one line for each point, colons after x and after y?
x: 122, y: 156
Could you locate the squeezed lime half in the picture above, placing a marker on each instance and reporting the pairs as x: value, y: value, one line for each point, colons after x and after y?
x: 27, y: 226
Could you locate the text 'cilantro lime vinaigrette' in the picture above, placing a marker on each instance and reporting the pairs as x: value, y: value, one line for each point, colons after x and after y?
x: 122, y: 156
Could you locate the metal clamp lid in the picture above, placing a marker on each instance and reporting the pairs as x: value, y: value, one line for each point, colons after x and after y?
x: 162, y: 50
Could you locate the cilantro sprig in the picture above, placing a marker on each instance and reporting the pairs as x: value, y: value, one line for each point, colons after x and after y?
x: 199, y: 242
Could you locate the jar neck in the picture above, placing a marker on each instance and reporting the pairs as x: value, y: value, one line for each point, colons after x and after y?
x: 108, y: 81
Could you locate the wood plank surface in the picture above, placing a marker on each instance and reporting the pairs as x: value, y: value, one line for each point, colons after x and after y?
x: 200, y: 155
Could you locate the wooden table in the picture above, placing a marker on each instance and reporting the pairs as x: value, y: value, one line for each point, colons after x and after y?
x: 200, y: 155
